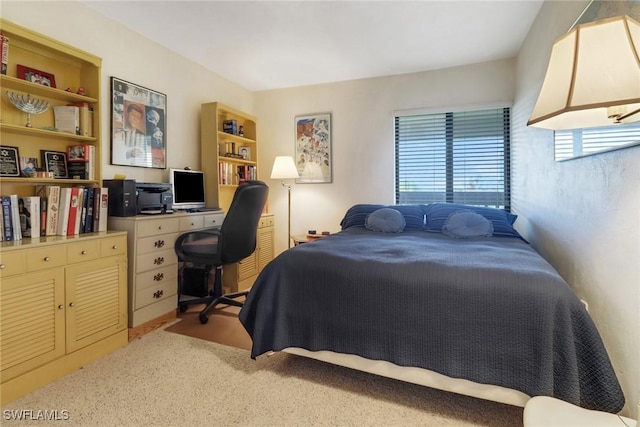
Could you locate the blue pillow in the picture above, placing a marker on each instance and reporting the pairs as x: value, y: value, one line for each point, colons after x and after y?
x: 356, y: 216
x: 438, y: 213
x: 385, y: 220
x: 465, y: 224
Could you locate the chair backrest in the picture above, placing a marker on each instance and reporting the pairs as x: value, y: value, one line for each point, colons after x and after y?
x: 240, y: 226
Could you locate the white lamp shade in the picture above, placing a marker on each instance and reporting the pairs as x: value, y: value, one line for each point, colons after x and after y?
x: 592, y: 68
x: 284, y: 168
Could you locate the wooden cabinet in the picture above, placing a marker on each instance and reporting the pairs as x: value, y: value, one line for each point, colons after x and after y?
x: 220, y: 150
x: 72, y: 68
x: 63, y: 305
x: 240, y: 276
x: 153, y: 264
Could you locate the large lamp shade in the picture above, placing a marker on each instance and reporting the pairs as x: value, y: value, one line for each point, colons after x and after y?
x: 593, y: 77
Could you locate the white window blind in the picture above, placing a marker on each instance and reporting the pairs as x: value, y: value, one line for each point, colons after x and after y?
x: 585, y: 142
x: 458, y: 157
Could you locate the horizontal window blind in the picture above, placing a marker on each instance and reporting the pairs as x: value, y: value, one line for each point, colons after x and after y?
x: 585, y: 142
x: 458, y: 157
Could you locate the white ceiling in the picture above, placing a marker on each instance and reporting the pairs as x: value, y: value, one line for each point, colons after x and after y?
x: 265, y: 45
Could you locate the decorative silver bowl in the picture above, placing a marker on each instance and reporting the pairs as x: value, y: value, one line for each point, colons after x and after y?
x: 28, y: 104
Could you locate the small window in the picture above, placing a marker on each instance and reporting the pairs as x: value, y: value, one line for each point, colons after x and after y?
x: 586, y: 142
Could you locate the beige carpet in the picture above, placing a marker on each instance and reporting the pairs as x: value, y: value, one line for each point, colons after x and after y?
x: 168, y: 379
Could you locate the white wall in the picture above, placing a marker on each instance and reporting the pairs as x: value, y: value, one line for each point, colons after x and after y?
x: 363, y: 135
x: 128, y: 56
x: 582, y: 215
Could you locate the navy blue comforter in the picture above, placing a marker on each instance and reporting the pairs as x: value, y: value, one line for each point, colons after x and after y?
x: 490, y: 310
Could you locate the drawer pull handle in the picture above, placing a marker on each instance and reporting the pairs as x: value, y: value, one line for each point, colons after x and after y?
x: 83, y: 252
x: 158, y: 294
x: 47, y: 258
x: 158, y: 260
x: 114, y: 247
x: 72, y: 304
x: 158, y: 277
x: 159, y: 227
x: 60, y: 307
x: 159, y: 243
x: 2, y: 266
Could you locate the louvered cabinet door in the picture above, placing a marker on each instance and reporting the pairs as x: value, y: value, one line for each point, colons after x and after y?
x: 96, y: 300
x: 266, y: 249
x: 32, y: 320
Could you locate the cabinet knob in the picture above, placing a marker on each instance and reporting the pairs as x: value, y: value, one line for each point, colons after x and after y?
x: 83, y: 252
x: 114, y: 247
x: 72, y: 304
x: 47, y: 258
x: 159, y: 227
x: 2, y: 266
x: 60, y: 307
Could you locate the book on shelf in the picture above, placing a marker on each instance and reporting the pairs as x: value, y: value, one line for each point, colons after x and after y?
x: 230, y: 126
x: 52, y: 194
x: 7, y: 219
x: 73, y: 211
x: 88, y: 224
x: 78, y: 223
x: 31, y: 211
x: 63, y: 211
x: 67, y: 118
x: 15, y: 211
x: 81, y: 161
x: 101, y: 209
x: 4, y: 52
x: 86, y: 119
x: 43, y: 216
x: 83, y: 212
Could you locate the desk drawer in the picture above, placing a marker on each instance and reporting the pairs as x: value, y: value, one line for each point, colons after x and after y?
x: 113, y: 246
x: 213, y: 220
x: 192, y: 223
x: 154, y: 260
x: 47, y: 257
x: 157, y: 227
x: 156, y: 293
x: 153, y: 244
x: 12, y: 263
x: 83, y: 251
x: 156, y: 277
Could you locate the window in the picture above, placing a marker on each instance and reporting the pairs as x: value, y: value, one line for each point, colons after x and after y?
x: 585, y: 142
x: 458, y: 157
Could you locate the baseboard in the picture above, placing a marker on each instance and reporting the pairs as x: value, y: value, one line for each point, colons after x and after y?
x: 151, y: 325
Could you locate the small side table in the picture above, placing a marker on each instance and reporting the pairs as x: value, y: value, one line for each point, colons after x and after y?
x: 299, y: 239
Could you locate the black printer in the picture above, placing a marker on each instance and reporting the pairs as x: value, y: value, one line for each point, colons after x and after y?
x: 153, y: 198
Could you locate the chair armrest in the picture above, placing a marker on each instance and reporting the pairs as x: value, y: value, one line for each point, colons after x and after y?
x: 200, y: 247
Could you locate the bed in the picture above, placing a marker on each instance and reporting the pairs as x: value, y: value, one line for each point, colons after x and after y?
x: 481, y: 313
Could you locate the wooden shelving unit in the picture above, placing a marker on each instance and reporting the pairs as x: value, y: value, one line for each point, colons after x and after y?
x: 215, y: 143
x: 72, y: 68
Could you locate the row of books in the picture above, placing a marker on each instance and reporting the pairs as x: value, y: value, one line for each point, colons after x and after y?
x: 4, y: 52
x: 232, y: 174
x: 55, y: 211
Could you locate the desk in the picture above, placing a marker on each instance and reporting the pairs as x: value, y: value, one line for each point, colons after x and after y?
x: 153, y: 264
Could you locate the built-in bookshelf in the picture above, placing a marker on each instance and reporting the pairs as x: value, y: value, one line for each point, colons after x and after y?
x: 229, y: 151
x: 76, y: 77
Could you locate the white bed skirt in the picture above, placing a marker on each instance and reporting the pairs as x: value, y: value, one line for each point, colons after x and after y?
x: 418, y: 376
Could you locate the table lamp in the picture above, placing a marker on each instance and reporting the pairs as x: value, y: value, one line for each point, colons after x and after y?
x: 285, y: 168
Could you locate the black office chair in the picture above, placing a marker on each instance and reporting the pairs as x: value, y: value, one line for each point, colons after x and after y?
x: 232, y: 242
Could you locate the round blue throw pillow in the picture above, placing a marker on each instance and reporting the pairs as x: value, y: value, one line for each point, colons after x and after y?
x: 465, y: 224
x: 385, y: 220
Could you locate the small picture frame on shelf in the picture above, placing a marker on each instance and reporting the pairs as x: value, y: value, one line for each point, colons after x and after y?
x: 36, y: 76
x: 28, y: 166
x: 9, y: 161
x: 245, y: 152
x: 55, y: 162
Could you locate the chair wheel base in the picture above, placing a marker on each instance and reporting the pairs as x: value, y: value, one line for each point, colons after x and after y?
x: 203, y: 318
